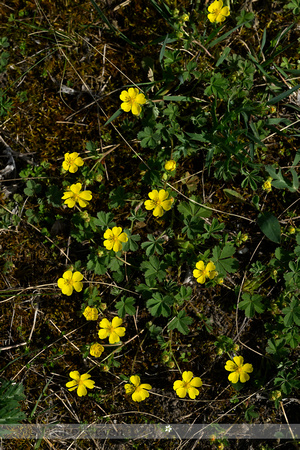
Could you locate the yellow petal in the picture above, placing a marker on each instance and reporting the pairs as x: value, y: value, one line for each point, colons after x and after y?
x: 187, y: 376
x: 116, y: 322
x: 193, y: 392
x: 135, y: 380
x: 233, y: 377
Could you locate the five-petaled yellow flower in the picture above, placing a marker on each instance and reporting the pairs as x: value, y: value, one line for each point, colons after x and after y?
x: 112, y: 330
x: 170, y: 165
x: 75, y: 194
x: 114, y: 239
x: 187, y: 385
x: 159, y: 202
x: 70, y: 281
x: 90, y: 313
x: 239, y: 370
x: 132, y: 101
x: 72, y: 162
x: 267, y: 186
x: 80, y: 382
x: 201, y: 272
x: 139, y: 391
x: 218, y: 13
x: 96, y: 350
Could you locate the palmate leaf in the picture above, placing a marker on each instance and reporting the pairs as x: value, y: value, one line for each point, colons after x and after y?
x: 251, y: 304
x: 126, y: 306
x: 292, y: 313
x: 154, y: 268
x: 223, y: 259
x: 159, y: 305
x: 181, y: 323
x: 10, y: 396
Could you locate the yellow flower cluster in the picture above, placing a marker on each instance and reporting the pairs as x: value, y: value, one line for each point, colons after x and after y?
x: 72, y: 162
x: 139, y: 391
x: 239, y: 370
x: 70, y: 281
x: 74, y: 195
x: 201, y: 272
x: 159, y: 202
x: 90, y: 313
x: 112, y: 330
x: 217, y: 12
x: 114, y: 239
x: 267, y: 186
x: 187, y: 385
x: 132, y: 101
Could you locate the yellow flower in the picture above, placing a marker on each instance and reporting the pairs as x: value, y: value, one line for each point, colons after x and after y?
x: 201, y: 272
x: 139, y: 391
x: 170, y: 165
x: 267, y: 186
x: 187, y: 385
x: 239, y: 370
x: 80, y: 382
x: 111, y: 330
x: 132, y: 99
x: 90, y: 313
x: 291, y: 230
x: 70, y: 281
x: 218, y: 13
x: 159, y: 202
x: 74, y: 194
x: 114, y: 239
x: 72, y: 162
x: 96, y: 350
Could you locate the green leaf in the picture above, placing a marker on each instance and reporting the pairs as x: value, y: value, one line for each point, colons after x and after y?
x: 154, y: 268
x: 234, y: 195
x: 149, y: 137
x: 114, y: 116
x: 11, y: 394
x: 126, y: 306
x: 181, y: 323
x: 223, y: 259
x: 292, y: 313
x: 153, y: 245
x: 283, y: 95
x: 131, y: 244
x: 117, y: 197
x: 270, y: 226
x: 104, y: 220
x: 250, y: 414
x: 251, y: 303
x: 183, y: 295
x: 159, y: 305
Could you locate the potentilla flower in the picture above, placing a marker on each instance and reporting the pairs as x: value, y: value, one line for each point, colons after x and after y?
x: 201, y: 272
x: 239, y: 370
x: 70, y: 281
x: 74, y: 194
x: 132, y: 99
x: 159, y: 202
x: 114, y: 239
x: 72, y: 162
x: 218, y: 13
x: 187, y: 385
x: 90, y: 313
x: 80, y: 382
x: 267, y: 186
x: 139, y: 391
x: 170, y: 165
x: 96, y: 350
x: 112, y: 330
